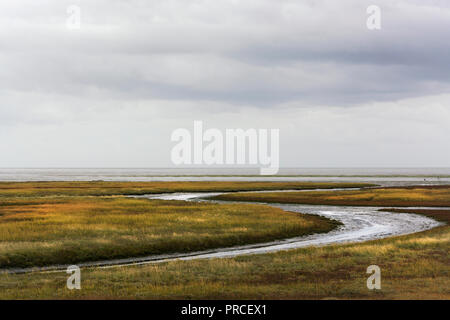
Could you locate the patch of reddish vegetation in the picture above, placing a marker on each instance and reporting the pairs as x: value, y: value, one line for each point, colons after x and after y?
x: 438, y: 214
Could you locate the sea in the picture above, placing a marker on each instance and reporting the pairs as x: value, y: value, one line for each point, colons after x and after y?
x: 384, y: 176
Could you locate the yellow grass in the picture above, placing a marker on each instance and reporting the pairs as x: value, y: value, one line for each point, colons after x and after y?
x: 415, y: 266
x: 45, y: 231
x: 100, y: 188
x: 412, y: 267
x: 411, y: 196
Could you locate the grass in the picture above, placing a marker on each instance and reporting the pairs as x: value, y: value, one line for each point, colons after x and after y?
x: 45, y: 223
x: 412, y: 267
x: 437, y: 214
x: 415, y: 266
x: 103, y: 188
x: 47, y: 231
x: 426, y: 196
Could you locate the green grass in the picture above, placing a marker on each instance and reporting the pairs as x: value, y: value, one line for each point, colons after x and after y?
x: 44, y: 223
x: 415, y: 266
x: 412, y: 267
x: 47, y: 231
x: 101, y: 188
x: 399, y: 197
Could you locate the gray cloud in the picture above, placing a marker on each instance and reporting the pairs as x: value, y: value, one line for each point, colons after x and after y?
x: 132, y: 62
x: 230, y: 51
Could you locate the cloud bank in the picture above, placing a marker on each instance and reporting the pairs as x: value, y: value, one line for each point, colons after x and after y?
x: 111, y: 92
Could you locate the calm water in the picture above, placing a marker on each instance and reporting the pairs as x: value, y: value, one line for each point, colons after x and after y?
x: 385, y: 176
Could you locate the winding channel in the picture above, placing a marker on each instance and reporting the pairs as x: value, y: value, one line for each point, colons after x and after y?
x: 358, y: 224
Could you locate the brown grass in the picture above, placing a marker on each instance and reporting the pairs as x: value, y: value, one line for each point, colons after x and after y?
x: 439, y: 215
x: 397, y: 197
x: 101, y: 188
x: 415, y: 266
x: 46, y: 231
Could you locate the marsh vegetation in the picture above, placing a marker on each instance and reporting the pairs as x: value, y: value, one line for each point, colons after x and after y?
x: 104, y: 188
x: 415, y: 266
x: 48, y: 231
x: 40, y: 226
x: 420, y: 196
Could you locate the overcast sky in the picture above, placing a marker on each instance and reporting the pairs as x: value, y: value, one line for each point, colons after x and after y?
x: 110, y: 93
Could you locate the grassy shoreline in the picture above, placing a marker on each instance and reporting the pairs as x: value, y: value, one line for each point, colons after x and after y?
x: 418, y: 196
x: 437, y: 214
x: 415, y: 266
x: 97, y: 188
x: 49, y: 231
x: 48, y: 223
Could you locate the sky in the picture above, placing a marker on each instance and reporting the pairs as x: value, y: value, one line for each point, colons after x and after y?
x: 110, y: 91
